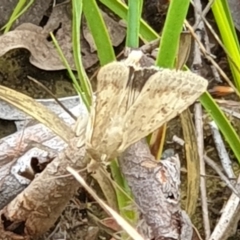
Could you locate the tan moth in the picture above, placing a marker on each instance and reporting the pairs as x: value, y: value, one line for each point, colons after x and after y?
x: 133, y: 101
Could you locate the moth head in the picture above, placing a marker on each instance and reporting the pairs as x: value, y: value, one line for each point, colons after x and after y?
x: 170, y: 169
x: 134, y: 58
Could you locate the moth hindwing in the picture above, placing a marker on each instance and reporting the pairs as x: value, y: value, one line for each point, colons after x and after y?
x: 133, y: 101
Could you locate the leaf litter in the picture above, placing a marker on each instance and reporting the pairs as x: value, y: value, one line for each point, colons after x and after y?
x: 64, y: 40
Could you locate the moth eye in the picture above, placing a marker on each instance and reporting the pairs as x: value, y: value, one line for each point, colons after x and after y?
x: 171, y: 198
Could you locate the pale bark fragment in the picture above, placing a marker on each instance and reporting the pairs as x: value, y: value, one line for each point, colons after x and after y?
x: 17, y: 150
x: 41, y: 203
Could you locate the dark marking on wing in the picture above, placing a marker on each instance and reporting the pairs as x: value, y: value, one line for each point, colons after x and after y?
x: 138, y: 77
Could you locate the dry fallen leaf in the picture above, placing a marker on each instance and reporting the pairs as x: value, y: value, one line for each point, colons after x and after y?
x: 43, y: 52
x: 32, y: 38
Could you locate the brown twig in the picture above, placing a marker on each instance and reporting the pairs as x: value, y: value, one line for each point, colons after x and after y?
x: 155, y: 187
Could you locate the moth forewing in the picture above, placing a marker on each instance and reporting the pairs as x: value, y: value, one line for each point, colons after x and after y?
x: 166, y: 94
x: 89, y: 128
x: 132, y: 102
x: 111, y: 82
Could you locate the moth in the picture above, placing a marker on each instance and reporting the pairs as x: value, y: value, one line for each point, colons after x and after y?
x: 132, y: 101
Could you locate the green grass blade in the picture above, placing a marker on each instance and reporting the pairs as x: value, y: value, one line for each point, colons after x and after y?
x: 222, y: 122
x: 171, y: 33
x: 123, y: 194
x: 230, y: 20
x: 85, y: 84
x: 99, y: 31
x: 70, y: 72
x: 134, y: 16
x: 225, y: 24
x: 147, y: 34
x: 17, y: 12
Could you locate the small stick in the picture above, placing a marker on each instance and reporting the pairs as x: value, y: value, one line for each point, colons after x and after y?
x: 222, y: 152
x: 53, y: 96
x: 199, y: 136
